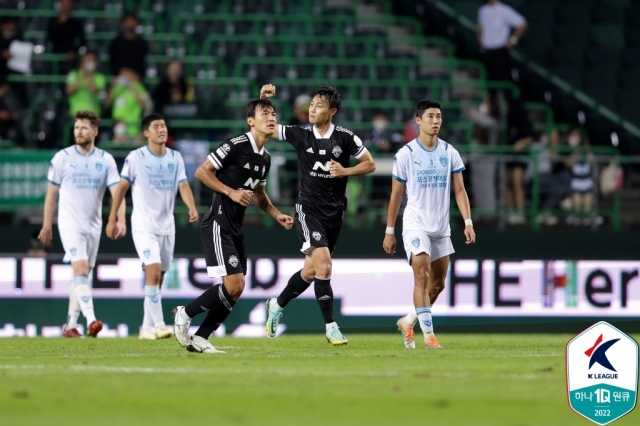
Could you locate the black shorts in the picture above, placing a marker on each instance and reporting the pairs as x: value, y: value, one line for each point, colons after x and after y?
x: 224, y: 253
x: 315, y: 232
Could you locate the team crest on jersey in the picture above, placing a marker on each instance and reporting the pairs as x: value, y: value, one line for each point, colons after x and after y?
x: 233, y: 261
x: 443, y: 160
x: 99, y: 167
x: 316, y: 236
x: 171, y: 167
x: 415, y: 242
x: 336, y: 151
x: 220, y: 209
x: 72, y: 251
x: 147, y: 253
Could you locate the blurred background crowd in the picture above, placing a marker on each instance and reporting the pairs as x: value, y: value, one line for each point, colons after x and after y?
x: 539, y: 96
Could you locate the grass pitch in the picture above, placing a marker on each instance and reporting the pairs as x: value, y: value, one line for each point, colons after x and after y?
x: 291, y: 380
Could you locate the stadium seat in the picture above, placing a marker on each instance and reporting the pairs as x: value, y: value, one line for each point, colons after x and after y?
x: 572, y: 35
x: 607, y: 35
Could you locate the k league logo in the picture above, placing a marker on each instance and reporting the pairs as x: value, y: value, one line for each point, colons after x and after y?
x: 602, y: 373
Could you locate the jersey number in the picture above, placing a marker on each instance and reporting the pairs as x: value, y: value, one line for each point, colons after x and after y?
x: 252, y: 183
x: 326, y: 167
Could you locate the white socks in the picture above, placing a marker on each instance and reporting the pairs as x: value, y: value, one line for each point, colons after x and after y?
x: 331, y: 325
x: 424, y: 318
x: 153, y: 305
x: 83, y: 297
x: 74, y: 308
x: 411, y: 318
x: 147, y: 321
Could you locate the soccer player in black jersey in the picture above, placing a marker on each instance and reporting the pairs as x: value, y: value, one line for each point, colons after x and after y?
x: 236, y: 171
x: 323, y: 169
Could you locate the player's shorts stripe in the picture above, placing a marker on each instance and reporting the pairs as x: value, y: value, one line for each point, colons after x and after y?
x: 302, y: 218
x: 223, y: 299
x: 458, y: 170
x: 214, y: 161
x: 217, y: 244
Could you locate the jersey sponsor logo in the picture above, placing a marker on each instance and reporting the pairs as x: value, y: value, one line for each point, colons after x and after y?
x: 171, y: 167
x: 444, y: 160
x: 336, y: 151
x: 252, y: 182
x: 233, y: 261
x: 342, y: 129
x: 326, y: 166
x: 237, y: 139
x: 310, y: 150
x: 322, y: 151
x: 147, y: 253
x: 221, y: 153
x: 247, y: 166
x: 316, y: 236
x: 99, y: 167
x: 415, y: 242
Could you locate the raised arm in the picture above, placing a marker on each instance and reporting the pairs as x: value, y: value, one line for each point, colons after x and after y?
x: 46, y: 233
x: 117, y: 224
x: 261, y: 199
x: 187, y: 197
x: 395, y: 201
x: 462, y: 200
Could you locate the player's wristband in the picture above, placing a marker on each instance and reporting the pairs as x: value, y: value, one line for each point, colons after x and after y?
x: 389, y: 230
x: 468, y: 222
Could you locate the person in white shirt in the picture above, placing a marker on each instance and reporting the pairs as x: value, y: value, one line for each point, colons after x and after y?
x: 156, y: 173
x: 496, y: 21
x: 80, y: 174
x: 426, y: 167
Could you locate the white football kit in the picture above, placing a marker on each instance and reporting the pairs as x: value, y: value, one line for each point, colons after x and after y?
x: 427, y: 177
x: 83, y: 180
x: 154, y: 185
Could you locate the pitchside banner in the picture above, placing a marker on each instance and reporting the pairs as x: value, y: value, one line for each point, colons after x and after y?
x: 370, y: 287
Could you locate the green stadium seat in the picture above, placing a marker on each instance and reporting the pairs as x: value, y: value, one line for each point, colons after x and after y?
x: 600, y: 77
x: 607, y: 35
x: 565, y: 56
x: 598, y: 57
x: 629, y: 77
x: 572, y: 35
x: 571, y: 75
x: 569, y: 14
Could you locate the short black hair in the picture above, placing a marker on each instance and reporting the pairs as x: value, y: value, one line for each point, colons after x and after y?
x: 146, y: 122
x: 93, y: 52
x: 128, y: 15
x: 256, y: 104
x: 330, y: 94
x: 424, y: 105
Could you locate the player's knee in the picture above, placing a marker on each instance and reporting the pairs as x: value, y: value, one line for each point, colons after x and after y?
x: 323, y: 269
x: 308, y: 274
x: 438, y: 285
x: 81, y: 268
x: 421, y: 277
x: 234, y: 286
x: 154, y: 276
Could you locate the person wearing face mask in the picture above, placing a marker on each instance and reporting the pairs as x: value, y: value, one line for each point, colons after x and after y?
x: 128, y: 50
x: 85, y: 84
x: 380, y: 138
x: 173, y: 88
x: 130, y: 101
x: 66, y: 35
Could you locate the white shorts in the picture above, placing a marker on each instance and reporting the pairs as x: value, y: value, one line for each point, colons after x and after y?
x: 79, y: 246
x: 153, y: 248
x: 417, y: 242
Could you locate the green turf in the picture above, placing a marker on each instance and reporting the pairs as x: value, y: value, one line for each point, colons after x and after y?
x: 292, y: 380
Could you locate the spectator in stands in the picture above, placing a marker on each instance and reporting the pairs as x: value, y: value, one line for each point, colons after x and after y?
x: 85, y: 85
x: 9, y: 32
x: 301, y: 111
x: 380, y: 138
x: 582, y: 184
x: 486, y: 129
x: 37, y: 248
x: 66, y: 35
x: 130, y: 101
x: 8, y: 111
x: 173, y: 88
x: 520, y: 136
x: 411, y: 130
x: 495, y: 24
x: 128, y: 50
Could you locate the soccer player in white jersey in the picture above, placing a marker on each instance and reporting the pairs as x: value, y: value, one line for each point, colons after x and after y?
x: 80, y: 174
x: 156, y: 173
x: 426, y: 166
